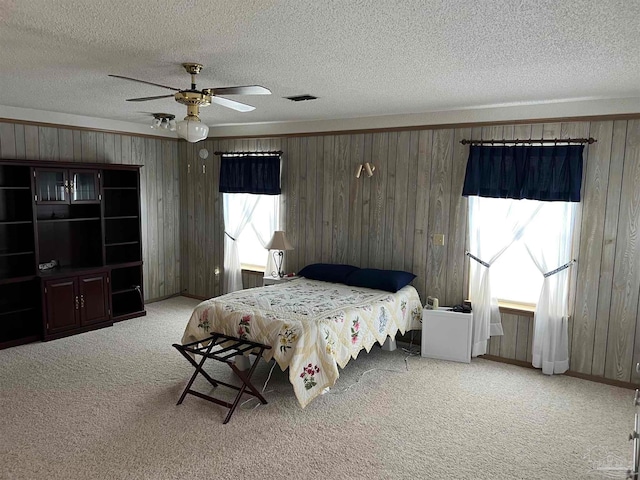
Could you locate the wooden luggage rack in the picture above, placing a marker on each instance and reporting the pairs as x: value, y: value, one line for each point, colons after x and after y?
x: 234, y: 346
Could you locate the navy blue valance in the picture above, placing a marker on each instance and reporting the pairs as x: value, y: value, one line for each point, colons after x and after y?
x: 547, y: 173
x: 258, y: 174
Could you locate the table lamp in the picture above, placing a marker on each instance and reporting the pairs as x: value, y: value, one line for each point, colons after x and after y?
x: 279, y: 243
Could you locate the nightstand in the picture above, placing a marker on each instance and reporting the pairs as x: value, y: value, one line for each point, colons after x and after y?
x: 446, y: 335
x: 269, y: 280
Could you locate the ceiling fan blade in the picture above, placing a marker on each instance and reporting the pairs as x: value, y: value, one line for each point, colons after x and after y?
x: 144, y: 81
x: 144, y: 99
x: 245, y: 90
x: 225, y: 102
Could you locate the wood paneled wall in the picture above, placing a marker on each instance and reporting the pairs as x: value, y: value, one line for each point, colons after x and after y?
x: 160, y: 189
x: 388, y: 221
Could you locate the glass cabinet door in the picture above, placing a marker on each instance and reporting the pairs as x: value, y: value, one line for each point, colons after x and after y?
x: 52, y: 186
x: 84, y: 186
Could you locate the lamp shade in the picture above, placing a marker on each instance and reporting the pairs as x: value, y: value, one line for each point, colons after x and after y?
x: 192, y: 130
x: 279, y: 242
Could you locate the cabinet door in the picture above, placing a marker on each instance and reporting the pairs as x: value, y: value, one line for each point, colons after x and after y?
x: 62, y: 305
x: 84, y: 186
x: 94, y: 298
x: 52, y: 186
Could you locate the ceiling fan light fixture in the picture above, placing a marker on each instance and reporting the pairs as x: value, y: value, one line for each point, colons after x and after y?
x: 192, y: 129
x: 162, y: 120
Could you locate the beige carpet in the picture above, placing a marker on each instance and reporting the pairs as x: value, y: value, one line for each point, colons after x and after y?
x: 101, y: 405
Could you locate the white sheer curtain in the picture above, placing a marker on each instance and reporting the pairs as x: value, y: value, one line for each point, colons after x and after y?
x: 548, y: 241
x: 238, y: 209
x: 265, y: 224
x: 494, y: 224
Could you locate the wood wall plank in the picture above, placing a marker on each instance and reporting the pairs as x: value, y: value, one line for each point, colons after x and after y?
x: 392, y: 165
x: 439, y: 217
x: 522, y: 336
x: 592, y: 233
x: 199, y: 223
x: 48, y: 140
x: 377, y: 200
x: 89, y: 146
x: 423, y: 196
x: 168, y: 221
x: 65, y: 142
x: 152, y: 217
x: 20, y: 141
x: 293, y: 204
x: 356, y: 157
x: 605, y: 287
x: 412, y: 190
x: 366, y: 203
x: 327, y: 198
x: 31, y: 142
x: 457, y: 234
x: 7, y: 140
x: 302, y: 208
x: 312, y: 252
x: 398, y: 235
x: 508, y: 341
x: 340, y: 219
x: 626, y: 273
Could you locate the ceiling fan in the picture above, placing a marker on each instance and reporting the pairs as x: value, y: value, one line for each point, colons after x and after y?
x: 191, y: 128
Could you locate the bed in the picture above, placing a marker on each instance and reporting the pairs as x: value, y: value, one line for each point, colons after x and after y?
x: 313, y: 327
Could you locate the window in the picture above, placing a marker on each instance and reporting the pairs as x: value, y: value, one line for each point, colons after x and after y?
x: 263, y: 222
x: 514, y: 276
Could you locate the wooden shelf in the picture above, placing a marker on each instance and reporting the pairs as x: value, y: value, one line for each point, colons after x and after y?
x: 124, y: 290
x: 16, y: 310
x: 56, y: 220
x: 15, y: 254
x: 73, y: 233
x: 115, y: 266
x: 70, y: 271
x: 24, y: 278
x: 118, y: 244
x: 15, y: 222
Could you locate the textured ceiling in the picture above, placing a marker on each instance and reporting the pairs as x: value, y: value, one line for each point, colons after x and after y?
x: 362, y: 58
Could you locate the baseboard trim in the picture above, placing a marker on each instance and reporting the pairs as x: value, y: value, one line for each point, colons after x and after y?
x: 159, y: 299
x: 195, y: 297
x: 570, y: 373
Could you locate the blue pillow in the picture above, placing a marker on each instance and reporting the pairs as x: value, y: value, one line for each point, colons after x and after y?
x: 327, y: 272
x: 388, y: 280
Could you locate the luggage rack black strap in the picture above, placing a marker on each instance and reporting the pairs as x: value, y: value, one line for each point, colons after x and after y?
x: 204, y: 348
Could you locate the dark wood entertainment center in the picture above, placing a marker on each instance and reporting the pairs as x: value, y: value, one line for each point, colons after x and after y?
x: 86, y: 218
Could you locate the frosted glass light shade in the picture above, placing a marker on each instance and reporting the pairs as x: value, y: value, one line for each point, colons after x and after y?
x: 192, y: 131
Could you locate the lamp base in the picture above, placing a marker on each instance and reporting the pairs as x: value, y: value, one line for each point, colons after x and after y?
x: 278, y: 257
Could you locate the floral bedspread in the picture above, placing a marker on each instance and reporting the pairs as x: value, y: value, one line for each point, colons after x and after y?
x: 313, y: 327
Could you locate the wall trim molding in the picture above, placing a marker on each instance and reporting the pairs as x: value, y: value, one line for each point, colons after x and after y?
x: 570, y: 373
x: 86, y: 129
x: 439, y: 126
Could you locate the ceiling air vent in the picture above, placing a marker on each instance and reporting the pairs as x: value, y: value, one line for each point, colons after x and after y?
x: 301, y: 98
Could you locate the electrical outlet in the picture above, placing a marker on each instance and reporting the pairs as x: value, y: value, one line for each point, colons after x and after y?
x: 438, y: 239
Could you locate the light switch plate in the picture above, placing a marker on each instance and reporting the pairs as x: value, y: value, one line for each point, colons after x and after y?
x: 438, y: 238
